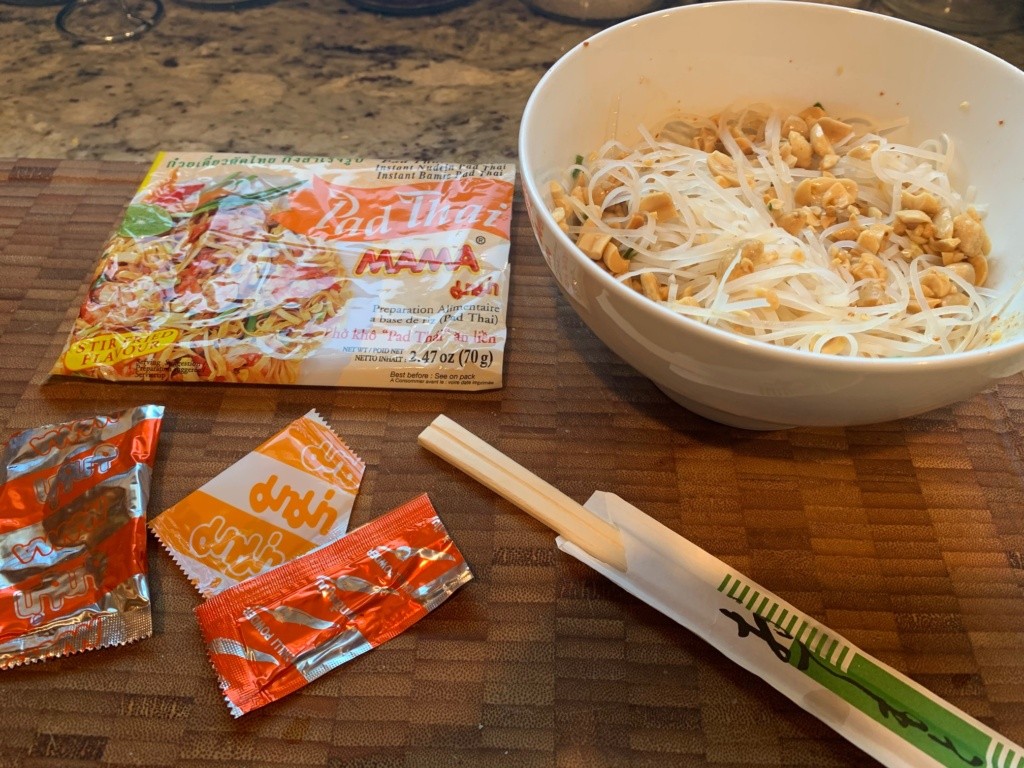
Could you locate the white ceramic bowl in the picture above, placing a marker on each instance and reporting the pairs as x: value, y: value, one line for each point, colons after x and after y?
x: 702, y: 58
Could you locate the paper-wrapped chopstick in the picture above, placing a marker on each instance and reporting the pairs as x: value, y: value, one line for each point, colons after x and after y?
x: 883, y: 712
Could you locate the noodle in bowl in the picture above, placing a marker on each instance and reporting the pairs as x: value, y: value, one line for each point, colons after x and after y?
x: 623, y: 84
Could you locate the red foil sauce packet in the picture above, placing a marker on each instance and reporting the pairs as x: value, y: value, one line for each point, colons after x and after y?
x: 73, y: 535
x: 270, y: 635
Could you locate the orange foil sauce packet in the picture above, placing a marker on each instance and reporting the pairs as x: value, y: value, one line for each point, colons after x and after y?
x: 73, y: 535
x: 294, y: 493
x: 272, y: 634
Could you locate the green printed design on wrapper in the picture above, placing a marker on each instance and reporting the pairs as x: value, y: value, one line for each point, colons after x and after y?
x: 143, y: 220
x: 865, y: 684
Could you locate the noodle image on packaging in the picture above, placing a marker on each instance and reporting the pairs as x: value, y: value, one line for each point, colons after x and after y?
x: 315, y: 271
x: 73, y: 535
x: 269, y: 636
x: 293, y: 493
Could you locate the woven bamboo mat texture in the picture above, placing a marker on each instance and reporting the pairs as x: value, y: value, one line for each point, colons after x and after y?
x: 907, y: 538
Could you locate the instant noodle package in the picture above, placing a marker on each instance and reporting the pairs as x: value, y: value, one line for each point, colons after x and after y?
x: 317, y: 271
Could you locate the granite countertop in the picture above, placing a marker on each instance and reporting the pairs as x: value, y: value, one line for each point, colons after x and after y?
x: 309, y: 76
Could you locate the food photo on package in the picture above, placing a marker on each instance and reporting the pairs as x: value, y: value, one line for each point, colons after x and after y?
x: 297, y: 270
x: 271, y: 635
x: 291, y: 494
x: 73, y: 569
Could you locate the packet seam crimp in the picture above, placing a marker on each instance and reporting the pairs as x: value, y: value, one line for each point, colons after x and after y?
x: 315, y: 416
x: 181, y: 564
x: 131, y: 627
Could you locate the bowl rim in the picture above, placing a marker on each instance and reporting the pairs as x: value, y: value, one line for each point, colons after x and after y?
x: 749, y: 345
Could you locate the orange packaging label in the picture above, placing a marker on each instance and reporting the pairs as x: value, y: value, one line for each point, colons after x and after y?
x: 342, y: 212
x: 269, y: 636
x: 293, y: 493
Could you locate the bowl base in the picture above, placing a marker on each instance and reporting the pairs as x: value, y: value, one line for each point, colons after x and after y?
x: 722, y: 417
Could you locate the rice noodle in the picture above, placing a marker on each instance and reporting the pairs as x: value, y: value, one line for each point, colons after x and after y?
x: 886, y: 271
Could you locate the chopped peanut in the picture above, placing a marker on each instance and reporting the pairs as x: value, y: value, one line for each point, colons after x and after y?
x: 864, y: 151
x: 707, y: 140
x: 834, y: 130
x: 786, y: 153
x: 720, y: 164
x: 913, y: 307
x: 746, y: 147
x: 943, y: 222
x: 836, y: 346
x: 591, y: 240
x: 841, y: 193
x: 980, y: 264
x: 650, y: 287
x: 744, y: 267
x: 558, y: 214
x: 752, y: 250
x: 955, y: 299
x: 935, y: 284
x: 812, y: 114
x: 801, y: 149
x: 819, y: 141
x: 912, y: 252
x: 826, y: 190
x: 794, y: 221
x: 829, y: 161
x: 613, y: 260
x: 973, y: 240
x: 561, y: 202
x: 871, y: 294
x: 636, y: 221
x: 868, y: 266
x: 849, y: 232
x: 871, y: 238
x: 924, y: 201
x: 599, y: 193
x: 658, y: 203
x: 795, y: 123
x: 965, y: 271
x: 913, y: 217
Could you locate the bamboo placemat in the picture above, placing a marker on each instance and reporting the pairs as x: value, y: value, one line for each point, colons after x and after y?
x: 907, y: 538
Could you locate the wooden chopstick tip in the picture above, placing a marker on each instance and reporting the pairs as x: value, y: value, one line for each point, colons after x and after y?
x: 439, y: 424
x: 516, y: 484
